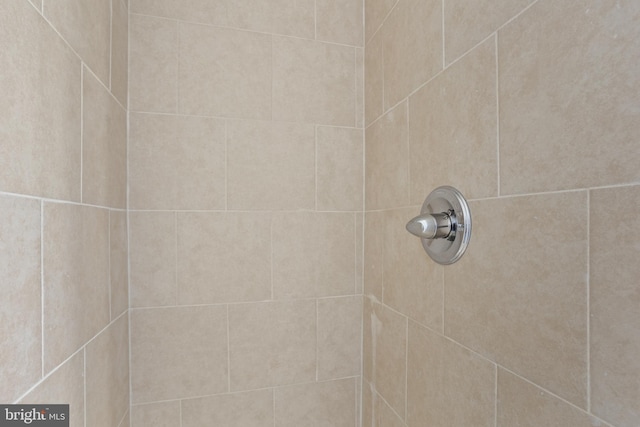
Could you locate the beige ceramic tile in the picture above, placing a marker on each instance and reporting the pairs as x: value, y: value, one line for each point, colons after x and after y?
x: 566, y: 69
x: 153, y: 64
x: 385, y: 353
x: 176, y: 162
x: 374, y: 226
x: 340, y: 21
x: 412, y: 282
x: 104, y: 146
x: 161, y: 414
x: 214, y: 250
x: 360, y: 88
x: 521, y: 403
x: 153, y: 259
x: 330, y: 403
x: 272, y: 343
x: 376, y: 412
x: 340, y: 169
x: 107, y: 375
x: 454, y: 119
x: 387, y: 161
x: 251, y: 409
x: 615, y: 305
x: 375, y: 11
x: 224, y: 72
x: 412, y: 47
x: 339, y: 337
x: 86, y: 25
x: 40, y: 86
x: 20, y: 307
x: 373, y: 80
x: 120, y: 51
x: 313, y: 254
x: 468, y: 23
x: 65, y: 386
x: 271, y: 165
x: 118, y: 261
x: 448, y: 385
x: 178, y: 352
x: 274, y: 16
x: 313, y: 82
x: 76, y: 278
x: 520, y: 298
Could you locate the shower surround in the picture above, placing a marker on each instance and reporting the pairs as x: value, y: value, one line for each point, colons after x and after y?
x: 213, y: 154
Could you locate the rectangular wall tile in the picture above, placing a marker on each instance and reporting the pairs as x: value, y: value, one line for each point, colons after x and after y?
x: 454, y: 118
x: 615, y: 305
x: 65, y: 385
x: 522, y: 403
x: 20, y: 306
x: 412, y: 282
x: 448, y: 385
x: 313, y: 82
x: 213, y: 250
x: 412, y: 47
x: 153, y: 64
x: 76, y: 278
x: 385, y: 354
x: 224, y: 72
x: 330, y: 403
x: 468, y: 23
x: 250, y: 409
x: 272, y: 343
x: 520, y: 298
x: 566, y: 70
x: 271, y: 165
x: 107, y: 375
x: 120, y: 51
x: 161, y: 414
x: 339, y: 337
x: 178, y: 352
x: 119, y: 262
x: 340, y: 172
x: 153, y: 259
x: 176, y: 162
x: 340, y: 21
x: 86, y: 25
x: 104, y: 146
x: 313, y: 254
x: 275, y: 16
x: 387, y: 161
x: 41, y: 87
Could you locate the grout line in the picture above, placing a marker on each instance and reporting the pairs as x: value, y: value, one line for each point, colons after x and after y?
x: 109, y: 263
x: 355, y: 253
x: 495, y: 400
x: 382, y: 22
x: 317, y: 367
x: 497, y: 113
x: 84, y: 382
x: 177, y: 66
x: 226, y: 167
x: 273, y: 399
x: 220, y: 211
x: 175, y: 233
x: 315, y: 19
x: 406, y: 373
x: 180, y: 411
x: 272, y: 65
x: 64, y: 202
x: 228, y: 353
x: 408, y: 160
x: 588, y: 301
x: 444, y: 289
x: 111, y: 45
x: 42, y: 299
x: 81, y: 131
x: 271, y: 221
x: 316, y: 166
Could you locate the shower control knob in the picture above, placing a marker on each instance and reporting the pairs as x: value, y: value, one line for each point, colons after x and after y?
x: 430, y: 226
x: 444, y: 225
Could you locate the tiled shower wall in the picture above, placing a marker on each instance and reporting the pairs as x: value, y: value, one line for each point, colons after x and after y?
x: 246, y: 212
x: 63, y: 252
x: 531, y: 109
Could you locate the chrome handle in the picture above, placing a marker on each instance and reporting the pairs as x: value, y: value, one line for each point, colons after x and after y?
x: 431, y: 226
